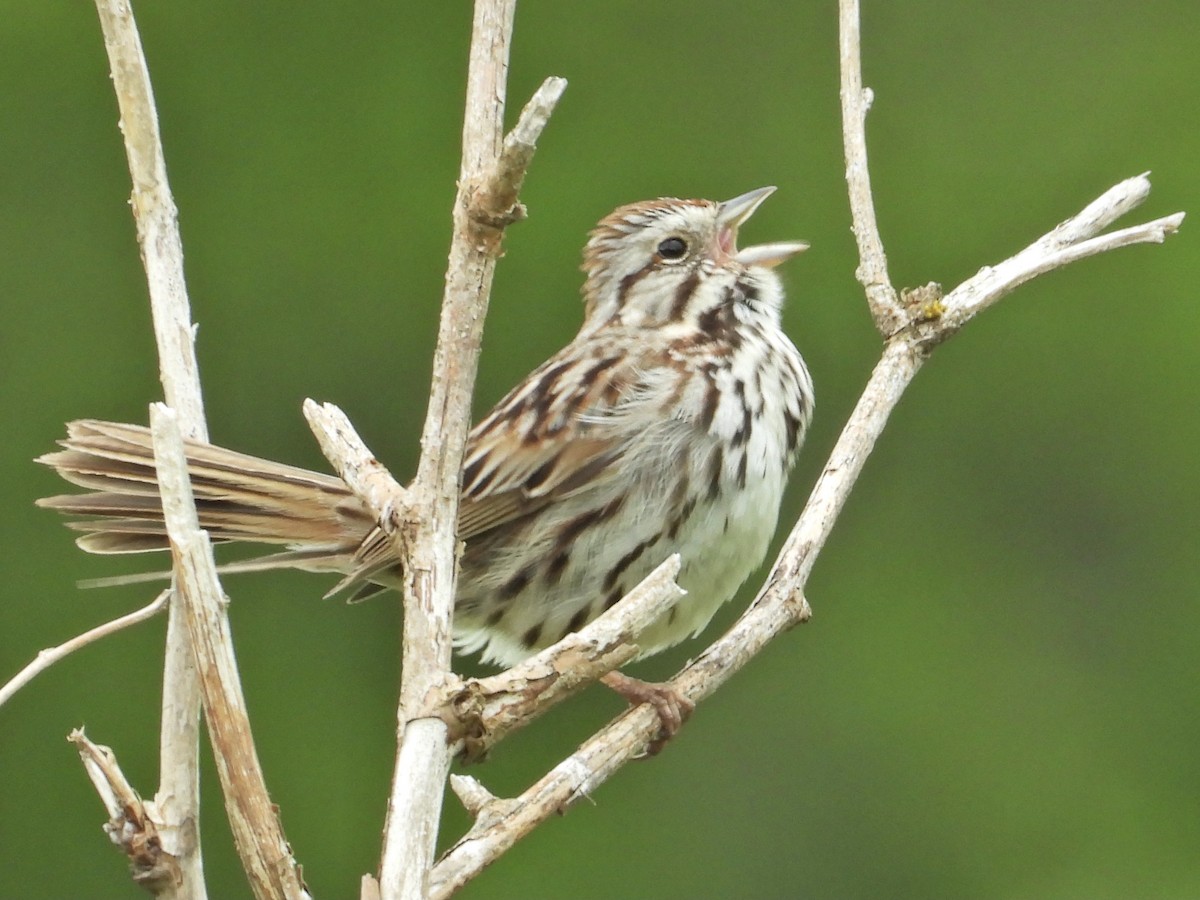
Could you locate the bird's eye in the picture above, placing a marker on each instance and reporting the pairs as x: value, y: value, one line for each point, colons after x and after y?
x: 672, y: 248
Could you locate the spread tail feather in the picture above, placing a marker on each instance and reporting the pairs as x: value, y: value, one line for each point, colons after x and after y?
x: 238, y: 498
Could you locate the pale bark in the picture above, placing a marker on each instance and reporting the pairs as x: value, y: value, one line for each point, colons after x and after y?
x: 177, y: 801
x: 490, y: 176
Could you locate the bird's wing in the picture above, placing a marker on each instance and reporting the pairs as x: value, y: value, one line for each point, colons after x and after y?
x: 554, y: 434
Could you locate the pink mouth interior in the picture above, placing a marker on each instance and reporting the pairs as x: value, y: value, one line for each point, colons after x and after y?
x: 727, y: 240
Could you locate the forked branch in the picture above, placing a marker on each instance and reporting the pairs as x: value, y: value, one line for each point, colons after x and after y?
x: 48, y: 657
x: 199, y: 654
x: 490, y: 176
x: 154, y: 211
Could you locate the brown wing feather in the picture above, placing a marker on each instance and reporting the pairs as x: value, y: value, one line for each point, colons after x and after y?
x: 543, y: 441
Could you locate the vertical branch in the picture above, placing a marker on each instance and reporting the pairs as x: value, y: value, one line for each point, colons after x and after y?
x: 178, y: 797
x: 872, y: 270
x: 257, y: 833
x: 428, y: 540
x: 156, y: 217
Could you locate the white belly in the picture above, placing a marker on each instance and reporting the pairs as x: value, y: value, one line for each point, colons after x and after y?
x: 725, y: 543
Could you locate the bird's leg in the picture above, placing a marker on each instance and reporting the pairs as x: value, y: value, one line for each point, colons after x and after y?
x: 672, y: 707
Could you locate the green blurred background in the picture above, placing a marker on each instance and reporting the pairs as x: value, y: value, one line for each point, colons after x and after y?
x: 997, y: 697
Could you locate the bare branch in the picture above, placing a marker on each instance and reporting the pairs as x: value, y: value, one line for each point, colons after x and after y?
x: 872, y: 271
x: 48, y: 657
x: 1076, y: 238
x: 156, y: 216
x: 489, y: 178
x: 365, y: 475
x: 501, y: 183
x: 473, y: 795
x: 130, y: 825
x: 257, y: 833
x: 178, y: 797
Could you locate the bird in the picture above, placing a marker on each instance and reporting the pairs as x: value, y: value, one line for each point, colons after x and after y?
x: 668, y: 424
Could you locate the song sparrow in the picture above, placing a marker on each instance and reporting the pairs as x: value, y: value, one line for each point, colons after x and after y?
x: 668, y: 424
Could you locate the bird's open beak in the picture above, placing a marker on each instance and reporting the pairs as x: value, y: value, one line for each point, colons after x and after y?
x: 732, y: 213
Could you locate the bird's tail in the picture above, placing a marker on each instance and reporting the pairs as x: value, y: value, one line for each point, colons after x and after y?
x: 238, y: 498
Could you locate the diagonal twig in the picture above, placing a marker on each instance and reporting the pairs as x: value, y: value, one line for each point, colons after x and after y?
x: 488, y: 709
x: 48, y: 657
x: 257, y: 832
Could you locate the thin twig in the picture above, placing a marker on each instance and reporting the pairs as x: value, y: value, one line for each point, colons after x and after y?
x: 365, y: 475
x: 472, y: 794
x: 501, y: 183
x: 257, y: 833
x: 48, y: 657
x: 178, y: 797
x: 1075, y: 239
x: 872, y: 271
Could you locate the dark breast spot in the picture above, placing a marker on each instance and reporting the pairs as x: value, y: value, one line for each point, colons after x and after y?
x: 624, y: 563
x: 682, y: 516
x: 792, y: 423
x: 742, y: 435
x: 577, y: 621
x: 532, y: 636
x: 713, y: 322
x: 557, y: 565
x: 716, y: 463
x: 516, y: 584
